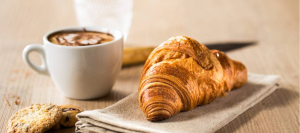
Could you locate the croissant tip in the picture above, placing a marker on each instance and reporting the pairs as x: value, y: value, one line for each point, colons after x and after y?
x: 158, y: 115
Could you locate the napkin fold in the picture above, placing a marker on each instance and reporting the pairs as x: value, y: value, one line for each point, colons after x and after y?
x: 126, y: 115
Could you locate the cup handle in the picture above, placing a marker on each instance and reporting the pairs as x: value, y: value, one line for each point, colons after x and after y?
x: 43, y: 69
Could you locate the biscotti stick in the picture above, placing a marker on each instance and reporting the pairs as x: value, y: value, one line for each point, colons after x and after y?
x: 135, y: 55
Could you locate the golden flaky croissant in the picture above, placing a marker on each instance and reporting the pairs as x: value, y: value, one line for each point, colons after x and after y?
x: 181, y: 74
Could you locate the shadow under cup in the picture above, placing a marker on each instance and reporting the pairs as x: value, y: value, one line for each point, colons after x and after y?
x: 80, y: 72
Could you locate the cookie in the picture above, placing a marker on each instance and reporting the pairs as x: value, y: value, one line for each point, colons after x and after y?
x: 37, y: 118
x: 68, y: 118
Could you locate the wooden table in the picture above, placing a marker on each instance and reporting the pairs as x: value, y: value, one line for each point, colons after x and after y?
x: 274, y: 24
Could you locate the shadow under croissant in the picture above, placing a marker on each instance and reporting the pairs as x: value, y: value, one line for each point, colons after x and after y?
x: 269, y: 102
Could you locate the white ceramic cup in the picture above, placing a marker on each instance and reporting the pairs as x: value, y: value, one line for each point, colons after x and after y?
x: 80, y: 72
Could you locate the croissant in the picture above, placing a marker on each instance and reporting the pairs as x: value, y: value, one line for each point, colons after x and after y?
x: 181, y: 74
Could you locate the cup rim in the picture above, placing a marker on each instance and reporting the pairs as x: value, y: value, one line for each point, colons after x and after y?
x: 117, y: 34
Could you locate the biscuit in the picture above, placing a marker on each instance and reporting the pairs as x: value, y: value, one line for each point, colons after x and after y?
x: 37, y: 118
x: 68, y: 118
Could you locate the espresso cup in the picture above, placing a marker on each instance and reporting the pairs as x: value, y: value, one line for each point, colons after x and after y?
x: 80, y: 72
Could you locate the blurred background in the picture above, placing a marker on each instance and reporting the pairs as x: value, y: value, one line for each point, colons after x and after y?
x: 272, y: 24
x: 206, y: 21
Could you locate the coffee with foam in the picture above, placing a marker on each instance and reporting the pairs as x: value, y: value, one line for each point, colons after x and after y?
x: 80, y: 38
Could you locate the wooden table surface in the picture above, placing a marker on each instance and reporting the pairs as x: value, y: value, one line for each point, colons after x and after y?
x: 274, y: 24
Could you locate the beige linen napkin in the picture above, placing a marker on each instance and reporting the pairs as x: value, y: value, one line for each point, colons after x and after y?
x: 126, y: 115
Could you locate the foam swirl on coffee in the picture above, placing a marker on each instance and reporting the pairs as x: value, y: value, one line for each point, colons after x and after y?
x: 80, y: 38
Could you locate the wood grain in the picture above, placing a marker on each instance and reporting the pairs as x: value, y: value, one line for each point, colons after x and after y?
x: 273, y: 24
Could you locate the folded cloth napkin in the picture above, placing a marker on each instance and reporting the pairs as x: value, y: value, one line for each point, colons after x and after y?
x: 126, y: 115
